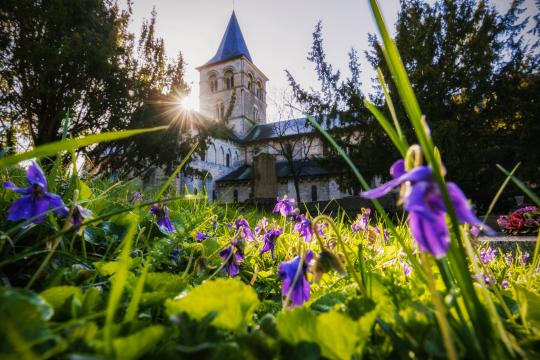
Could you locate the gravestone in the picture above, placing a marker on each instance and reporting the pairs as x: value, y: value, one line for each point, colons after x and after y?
x: 265, y: 184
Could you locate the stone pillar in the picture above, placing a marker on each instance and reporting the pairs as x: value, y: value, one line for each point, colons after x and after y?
x: 265, y: 184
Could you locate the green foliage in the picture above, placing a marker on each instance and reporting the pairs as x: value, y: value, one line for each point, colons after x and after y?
x: 338, y: 336
x: 24, y: 329
x: 473, y: 76
x: 138, y: 344
x: 233, y: 301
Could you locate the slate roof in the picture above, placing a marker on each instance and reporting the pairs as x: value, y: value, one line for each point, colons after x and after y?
x: 284, y: 128
x: 232, y: 44
x: 245, y: 172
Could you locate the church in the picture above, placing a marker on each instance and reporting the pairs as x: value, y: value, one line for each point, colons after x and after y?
x: 258, y: 160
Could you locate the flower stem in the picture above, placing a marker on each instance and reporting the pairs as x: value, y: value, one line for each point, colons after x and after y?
x: 324, y: 218
x: 439, y: 310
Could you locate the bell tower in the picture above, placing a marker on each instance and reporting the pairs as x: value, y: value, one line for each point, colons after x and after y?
x: 231, y: 79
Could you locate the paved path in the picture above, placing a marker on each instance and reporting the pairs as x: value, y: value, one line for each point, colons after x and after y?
x: 508, y: 238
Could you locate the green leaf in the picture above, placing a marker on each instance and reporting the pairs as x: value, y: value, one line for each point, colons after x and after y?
x: 23, y: 319
x: 57, y: 296
x: 161, y: 286
x: 111, y: 267
x: 60, y: 298
x: 233, y: 301
x: 59, y: 146
x: 529, y: 307
x: 136, y: 345
x: 84, y: 191
x: 338, y: 335
x: 297, y: 325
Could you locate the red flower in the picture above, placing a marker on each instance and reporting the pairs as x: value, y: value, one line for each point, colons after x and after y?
x: 515, y: 222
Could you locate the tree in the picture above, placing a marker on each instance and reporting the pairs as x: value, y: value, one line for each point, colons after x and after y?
x: 472, y: 73
x: 62, y: 55
x: 474, y: 77
x: 78, y: 56
x: 342, y: 101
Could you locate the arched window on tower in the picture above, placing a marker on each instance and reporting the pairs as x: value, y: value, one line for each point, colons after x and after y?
x: 220, y: 110
x: 228, y: 159
x: 250, y: 82
x: 222, y: 158
x: 212, y: 81
x: 259, y: 90
x: 229, y: 79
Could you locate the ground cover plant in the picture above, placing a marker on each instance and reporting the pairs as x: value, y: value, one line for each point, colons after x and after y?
x: 101, y: 269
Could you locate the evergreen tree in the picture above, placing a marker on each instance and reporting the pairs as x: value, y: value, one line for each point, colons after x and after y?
x: 475, y: 79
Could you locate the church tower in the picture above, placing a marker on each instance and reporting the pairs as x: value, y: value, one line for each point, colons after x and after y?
x: 232, y: 71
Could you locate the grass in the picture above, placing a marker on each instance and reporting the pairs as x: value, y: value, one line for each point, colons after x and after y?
x: 124, y: 287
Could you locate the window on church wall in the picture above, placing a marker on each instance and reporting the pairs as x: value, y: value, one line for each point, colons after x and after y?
x: 220, y: 110
x: 259, y: 91
x: 250, y: 82
x: 229, y: 79
x: 213, y: 83
x: 222, y: 158
x: 235, y: 195
x: 228, y: 159
x: 314, y: 193
x: 255, y: 114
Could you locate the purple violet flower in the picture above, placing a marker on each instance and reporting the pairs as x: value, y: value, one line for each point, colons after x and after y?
x: 199, y: 237
x: 504, y: 284
x: 407, y: 269
x: 284, y: 206
x: 487, y: 255
x: 260, y: 229
x: 214, y: 223
x: 35, y: 200
x: 321, y: 227
x: 427, y: 212
x: 362, y: 221
x: 77, y: 218
x: 385, y: 234
x: 136, y: 197
x: 287, y: 271
x: 525, y: 258
x: 474, y: 231
x: 270, y: 240
x: 243, y: 225
x: 161, y: 212
x: 232, y: 255
x: 304, y: 227
x: 508, y: 258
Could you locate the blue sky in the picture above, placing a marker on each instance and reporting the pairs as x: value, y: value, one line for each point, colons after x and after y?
x: 277, y: 33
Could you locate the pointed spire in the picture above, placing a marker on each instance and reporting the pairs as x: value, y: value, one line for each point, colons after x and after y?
x: 232, y: 44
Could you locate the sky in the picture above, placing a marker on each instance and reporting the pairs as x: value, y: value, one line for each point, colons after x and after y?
x: 278, y: 34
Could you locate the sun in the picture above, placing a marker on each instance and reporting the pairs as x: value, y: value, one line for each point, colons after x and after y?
x: 186, y: 103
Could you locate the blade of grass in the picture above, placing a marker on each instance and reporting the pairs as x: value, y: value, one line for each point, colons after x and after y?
x: 400, y: 145
x: 521, y: 186
x: 133, y: 306
x: 391, y: 108
x: 499, y: 192
x: 120, y: 278
x: 176, y: 171
x: 59, y: 146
